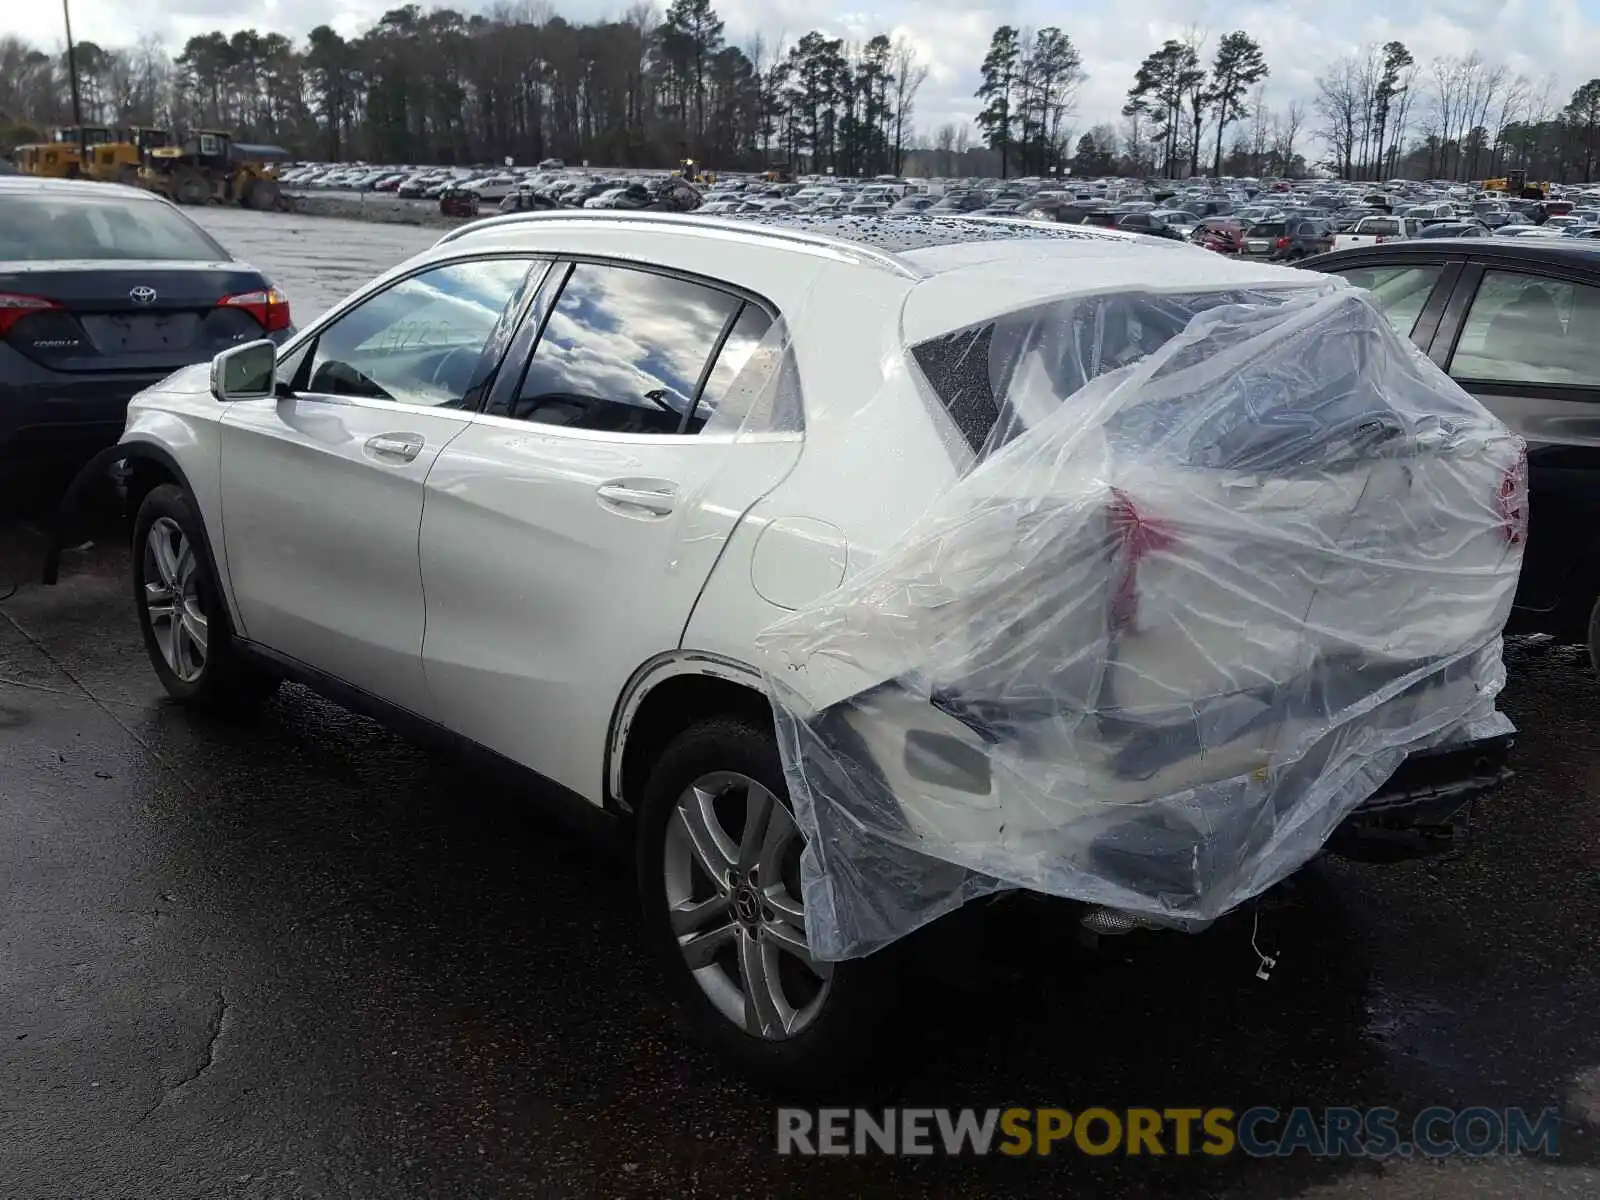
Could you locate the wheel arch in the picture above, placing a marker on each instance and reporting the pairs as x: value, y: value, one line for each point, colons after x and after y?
x: 662, y: 699
x: 145, y: 467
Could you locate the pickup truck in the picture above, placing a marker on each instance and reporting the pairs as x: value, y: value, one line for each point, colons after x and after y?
x: 1374, y: 231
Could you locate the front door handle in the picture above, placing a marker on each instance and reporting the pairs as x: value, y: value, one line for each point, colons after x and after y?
x: 655, y: 497
x: 395, y: 447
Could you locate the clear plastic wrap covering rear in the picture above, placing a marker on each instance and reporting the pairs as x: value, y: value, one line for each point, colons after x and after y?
x: 1218, y: 563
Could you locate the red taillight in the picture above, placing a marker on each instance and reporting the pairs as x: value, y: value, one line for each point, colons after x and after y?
x: 1136, y: 536
x: 1512, y: 502
x: 1379, y: 240
x: 1283, y: 243
x: 270, y: 307
x: 14, y: 306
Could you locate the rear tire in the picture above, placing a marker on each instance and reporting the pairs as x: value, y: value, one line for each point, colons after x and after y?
x: 758, y: 999
x: 187, y: 632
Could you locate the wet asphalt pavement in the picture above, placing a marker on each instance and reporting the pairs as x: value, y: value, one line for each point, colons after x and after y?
x: 303, y: 957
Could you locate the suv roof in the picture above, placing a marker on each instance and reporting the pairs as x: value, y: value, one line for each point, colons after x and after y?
x: 915, y: 246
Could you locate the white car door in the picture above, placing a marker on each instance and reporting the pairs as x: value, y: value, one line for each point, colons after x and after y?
x: 567, y: 536
x: 322, y: 487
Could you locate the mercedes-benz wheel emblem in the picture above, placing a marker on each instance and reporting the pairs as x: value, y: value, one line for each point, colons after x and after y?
x: 143, y: 295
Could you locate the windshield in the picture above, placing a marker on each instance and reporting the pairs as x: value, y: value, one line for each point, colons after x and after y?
x: 51, y: 228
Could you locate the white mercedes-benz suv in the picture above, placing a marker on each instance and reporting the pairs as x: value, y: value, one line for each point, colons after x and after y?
x: 542, y: 488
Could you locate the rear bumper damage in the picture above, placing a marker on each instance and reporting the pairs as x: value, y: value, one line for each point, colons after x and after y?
x: 1425, y: 808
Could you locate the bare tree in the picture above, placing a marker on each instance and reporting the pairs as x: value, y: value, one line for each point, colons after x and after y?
x: 1513, y: 102
x: 1338, y: 103
x: 1286, y: 129
x: 909, y: 76
x: 1400, y: 118
x: 1260, y: 139
x: 1367, y: 76
x: 1135, y: 139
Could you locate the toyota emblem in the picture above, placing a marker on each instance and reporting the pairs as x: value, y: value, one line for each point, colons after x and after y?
x: 143, y: 295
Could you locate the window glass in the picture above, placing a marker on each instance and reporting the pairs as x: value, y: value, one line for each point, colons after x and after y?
x: 720, y: 398
x: 44, y: 226
x: 1527, y: 329
x: 1399, y: 291
x: 1382, y: 228
x: 1074, y: 341
x: 420, y: 341
x: 623, y: 351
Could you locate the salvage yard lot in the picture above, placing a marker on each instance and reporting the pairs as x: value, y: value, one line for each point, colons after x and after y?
x: 305, y: 957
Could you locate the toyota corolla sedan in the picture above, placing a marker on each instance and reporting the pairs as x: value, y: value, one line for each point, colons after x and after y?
x: 105, y: 290
x: 542, y: 490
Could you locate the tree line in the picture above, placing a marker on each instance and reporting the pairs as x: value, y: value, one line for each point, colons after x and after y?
x: 1386, y: 115
x: 651, y: 88
x: 439, y: 86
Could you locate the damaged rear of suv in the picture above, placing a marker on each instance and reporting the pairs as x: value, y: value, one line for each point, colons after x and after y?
x: 1224, y: 560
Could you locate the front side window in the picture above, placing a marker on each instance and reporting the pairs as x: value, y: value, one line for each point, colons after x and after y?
x: 624, y: 351
x: 1400, y: 292
x: 418, y: 342
x: 1530, y: 329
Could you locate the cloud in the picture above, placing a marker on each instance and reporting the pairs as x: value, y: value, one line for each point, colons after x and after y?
x: 1557, y: 40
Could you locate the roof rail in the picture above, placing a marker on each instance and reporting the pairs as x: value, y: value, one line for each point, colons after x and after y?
x: 801, y: 239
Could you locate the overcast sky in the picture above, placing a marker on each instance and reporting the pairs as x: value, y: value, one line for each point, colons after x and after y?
x: 1538, y: 38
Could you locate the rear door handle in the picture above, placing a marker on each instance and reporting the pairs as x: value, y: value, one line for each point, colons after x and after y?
x: 656, y: 497
x: 395, y: 447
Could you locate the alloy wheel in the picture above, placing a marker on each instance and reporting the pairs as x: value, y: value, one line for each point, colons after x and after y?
x: 732, y: 873
x: 172, y: 599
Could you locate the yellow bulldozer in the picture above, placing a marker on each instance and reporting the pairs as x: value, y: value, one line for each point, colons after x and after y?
x: 64, y: 155
x: 119, y: 160
x: 209, y: 165
x: 1515, y: 183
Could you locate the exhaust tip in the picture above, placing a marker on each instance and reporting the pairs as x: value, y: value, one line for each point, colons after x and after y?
x: 1110, y: 921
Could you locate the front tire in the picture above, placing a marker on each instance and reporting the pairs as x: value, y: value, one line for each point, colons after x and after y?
x: 718, y: 859
x: 190, y: 187
x: 187, y: 632
x: 261, y: 194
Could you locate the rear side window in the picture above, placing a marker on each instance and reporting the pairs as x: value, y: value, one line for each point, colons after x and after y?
x: 1399, y: 291
x: 628, y: 351
x: 744, y: 340
x: 1528, y: 329
x: 45, y: 228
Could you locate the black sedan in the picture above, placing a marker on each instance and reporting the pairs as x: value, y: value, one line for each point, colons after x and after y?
x: 1516, y: 321
x: 105, y: 290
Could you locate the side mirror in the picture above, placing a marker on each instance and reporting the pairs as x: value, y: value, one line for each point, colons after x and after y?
x: 248, y: 372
